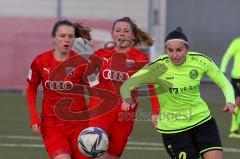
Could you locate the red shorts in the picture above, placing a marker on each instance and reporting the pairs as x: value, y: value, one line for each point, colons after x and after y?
x: 62, y: 139
x: 117, y: 128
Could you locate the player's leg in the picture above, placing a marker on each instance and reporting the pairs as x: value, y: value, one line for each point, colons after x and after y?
x: 73, y: 132
x: 56, y: 143
x: 118, y: 138
x: 237, y: 91
x: 104, y: 122
x: 180, y: 145
x: 214, y: 154
x: 234, y: 128
x: 62, y: 156
x: 238, y: 101
x: 207, y: 139
x: 238, y: 108
x: 108, y: 156
x: 235, y: 125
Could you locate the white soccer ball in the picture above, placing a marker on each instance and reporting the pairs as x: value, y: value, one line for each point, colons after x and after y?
x: 93, y: 142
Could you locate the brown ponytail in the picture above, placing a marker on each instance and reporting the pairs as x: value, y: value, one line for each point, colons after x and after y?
x: 82, y: 31
x: 141, y: 37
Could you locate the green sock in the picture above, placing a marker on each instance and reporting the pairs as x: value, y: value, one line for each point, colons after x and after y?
x: 235, y: 121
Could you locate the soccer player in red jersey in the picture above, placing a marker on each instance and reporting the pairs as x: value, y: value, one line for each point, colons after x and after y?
x: 56, y: 126
x: 114, y: 64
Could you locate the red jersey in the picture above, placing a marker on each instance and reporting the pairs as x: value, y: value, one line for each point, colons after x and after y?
x: 114, y: 70
x: 118, y: 67
x: 52, y: 74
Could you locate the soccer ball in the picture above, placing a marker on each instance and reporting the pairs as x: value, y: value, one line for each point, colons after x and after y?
x: 93, y: 142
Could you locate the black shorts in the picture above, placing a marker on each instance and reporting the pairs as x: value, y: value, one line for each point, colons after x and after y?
x: 236, y: 86
x: 192, y: 143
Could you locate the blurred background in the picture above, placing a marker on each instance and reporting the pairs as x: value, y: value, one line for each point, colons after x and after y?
x: 25, y: 32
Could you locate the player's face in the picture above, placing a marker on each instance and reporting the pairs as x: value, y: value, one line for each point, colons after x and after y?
x: 122, y: 34
x: 177, y: 52
x: 65, y: 36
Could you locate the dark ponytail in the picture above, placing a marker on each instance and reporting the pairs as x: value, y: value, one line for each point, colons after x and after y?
x: 141, y: 37
x: 80, y: 30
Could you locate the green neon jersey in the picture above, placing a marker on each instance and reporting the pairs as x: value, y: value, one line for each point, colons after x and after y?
x: 232, y: 51
x: 177, y: 88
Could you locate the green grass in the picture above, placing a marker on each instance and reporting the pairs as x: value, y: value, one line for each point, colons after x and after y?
x: 14, y: 120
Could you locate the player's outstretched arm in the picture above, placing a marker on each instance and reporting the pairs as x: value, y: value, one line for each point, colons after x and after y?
x: 31, y: 100
x: 222, y: 82
x: 142, y: 77
x: 232, y: 49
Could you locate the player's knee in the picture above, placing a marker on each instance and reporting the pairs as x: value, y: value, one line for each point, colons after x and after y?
x: 108, y: 156
x: 214, y: 154
x: 62, y: 156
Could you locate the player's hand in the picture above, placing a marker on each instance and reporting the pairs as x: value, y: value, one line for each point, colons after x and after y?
x: 155, y: 120
x: 229, y: 107
x: 36, y: 129
x: 127, y: 104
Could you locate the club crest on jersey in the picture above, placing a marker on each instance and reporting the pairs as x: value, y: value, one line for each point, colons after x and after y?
x: 69, y: 71
x: 129, y: 63
x: 193, y: 74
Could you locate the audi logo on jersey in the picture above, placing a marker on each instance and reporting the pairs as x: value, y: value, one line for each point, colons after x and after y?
x: 115, y: 75
x: 58, y: 85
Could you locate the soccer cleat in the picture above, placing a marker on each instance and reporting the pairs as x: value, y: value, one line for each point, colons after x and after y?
x: 234, y: 134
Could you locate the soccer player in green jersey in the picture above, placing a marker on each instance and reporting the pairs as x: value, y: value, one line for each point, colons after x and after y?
x: 187, y: 127
x: 234, y: 51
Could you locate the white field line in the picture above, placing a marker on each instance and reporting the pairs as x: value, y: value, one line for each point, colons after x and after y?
x: 19, y: 137
x: 22, y: 145
x: 145, y: 143
x: 148, y: 146
x: 145, y: 148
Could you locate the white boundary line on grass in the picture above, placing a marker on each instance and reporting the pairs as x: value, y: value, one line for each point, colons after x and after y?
x: 148, y: 146
x: 19, y: 137
x: 145, y: 148
x: 23, y: 145
x: 233, y: 150
x: 145, y: 143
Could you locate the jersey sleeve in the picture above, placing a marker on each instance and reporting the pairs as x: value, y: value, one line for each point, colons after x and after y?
x: 34, y: 77
x: 153, y: 95
x: 232, y: 49
x: 31, y: 100
x: 140, y: 78
x: 34, y: 80
x: 221, y: 81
